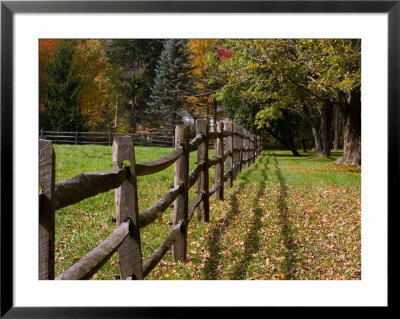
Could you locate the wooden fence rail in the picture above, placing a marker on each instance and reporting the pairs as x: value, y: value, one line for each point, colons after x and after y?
x: 105, y: 138
x: 235, y: 148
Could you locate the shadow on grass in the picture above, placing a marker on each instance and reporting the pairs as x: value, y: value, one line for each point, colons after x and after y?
x: 290, y: 155
x: 290, y: 259
x: 252, y: 240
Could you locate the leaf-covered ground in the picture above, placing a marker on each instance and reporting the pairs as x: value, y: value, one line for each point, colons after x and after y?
x: 285, y: 218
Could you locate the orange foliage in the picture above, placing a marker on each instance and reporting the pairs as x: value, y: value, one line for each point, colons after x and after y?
x: 199, y: 49
x: 46, y: 50
x: 92, y: 67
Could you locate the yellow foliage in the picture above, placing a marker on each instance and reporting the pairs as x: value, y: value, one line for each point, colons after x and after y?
x: 199, y: 49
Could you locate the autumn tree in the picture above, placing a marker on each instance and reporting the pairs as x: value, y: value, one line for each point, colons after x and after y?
x: 207, y: 79
x: 92, y: 67
x: 46, y: 50
x: 340, y: 65
x: 306, y: 77
x: 282, y: 124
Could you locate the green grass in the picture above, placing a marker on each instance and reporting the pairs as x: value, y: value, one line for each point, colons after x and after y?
x: 285, y: 218
x: 82, y: 226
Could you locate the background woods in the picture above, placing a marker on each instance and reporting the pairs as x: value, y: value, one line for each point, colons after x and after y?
x: 298, y: 94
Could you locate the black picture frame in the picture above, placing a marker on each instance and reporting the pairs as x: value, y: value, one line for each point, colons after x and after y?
x: 9, y: 8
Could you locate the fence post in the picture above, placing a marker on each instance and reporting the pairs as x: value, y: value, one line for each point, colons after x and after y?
x: 126, y: 202
x: 46, y: 210
x: 181, y: 203
x: 76, y: 137
x: 219, y: 168
x: 203, y: 212
x: 250, y: 158
x: 228, y: 160
x: 235, y: 146
x: 255, y: 147
x: 109, y: 138
x: 244, y: 143
x: 247, y: 149
x: 251, y: 148
x: 240, y: 160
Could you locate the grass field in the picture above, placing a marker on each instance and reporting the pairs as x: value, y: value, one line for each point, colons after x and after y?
x: 285, y: 218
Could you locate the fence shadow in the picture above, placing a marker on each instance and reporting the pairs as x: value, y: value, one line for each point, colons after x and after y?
x: 252, y: 240
x: 286, y: 234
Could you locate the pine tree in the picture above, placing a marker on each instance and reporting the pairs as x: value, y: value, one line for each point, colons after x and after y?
x: 60, y: 99
x: 173, y: 84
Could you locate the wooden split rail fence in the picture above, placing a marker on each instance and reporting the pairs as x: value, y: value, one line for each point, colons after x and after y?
x: 105, y: 138
x: 235, y: 149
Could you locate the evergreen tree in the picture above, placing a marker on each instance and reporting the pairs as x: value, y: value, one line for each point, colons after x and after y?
x: 60, y: 99
x: 173, y: 84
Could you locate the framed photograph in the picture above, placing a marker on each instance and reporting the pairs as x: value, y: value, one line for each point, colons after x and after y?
x: 367, y: 34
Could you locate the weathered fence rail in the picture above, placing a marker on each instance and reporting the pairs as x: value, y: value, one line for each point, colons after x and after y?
x: 235, y: 148
x: 105, y: 138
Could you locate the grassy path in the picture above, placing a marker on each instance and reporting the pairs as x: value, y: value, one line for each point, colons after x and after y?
x: 285, y: 218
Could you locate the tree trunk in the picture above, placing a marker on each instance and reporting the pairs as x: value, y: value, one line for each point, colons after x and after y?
x: 336, y: 140
x: 116, y: 116
x: 133, y: 108
x: 289, y: 144
x: 303, y: 144
x: 326, y: 116
x: 318, y: 140
x: 351, y: 115
x: 133, y: 114
x: 292, y: 147
x: 315, y: 124
x: 108, y: 117
x: 215, y: 115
